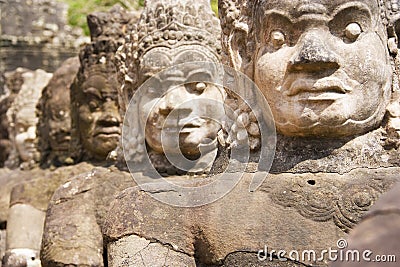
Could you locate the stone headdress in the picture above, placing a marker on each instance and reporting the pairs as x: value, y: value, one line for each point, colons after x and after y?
x: 107, y: 31
x: 169, y: 24
x: 166, y: 23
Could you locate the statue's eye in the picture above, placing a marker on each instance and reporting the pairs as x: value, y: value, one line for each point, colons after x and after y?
x: 93, y: 105
x: 197, y: 87
x: 352, y: 31
x: 277, y: 39
x: 200, y: 87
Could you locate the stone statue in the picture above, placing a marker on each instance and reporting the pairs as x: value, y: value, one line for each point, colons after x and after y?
x: 95, y: 133
x: 54, y: 128
x: 151, y: 49
x: 337, y: 146
x: 12, y: 82
x: 95, y: 130
x: 28, y: 200
x: 95, y: 117
x: 25, y: 88
x: 23, y: 121
x: 136, y: 62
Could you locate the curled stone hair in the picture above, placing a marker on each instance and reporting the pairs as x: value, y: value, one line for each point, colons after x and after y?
x: 107, y: 30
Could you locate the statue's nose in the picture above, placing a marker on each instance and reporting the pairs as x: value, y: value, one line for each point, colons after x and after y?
x: 314, y: 55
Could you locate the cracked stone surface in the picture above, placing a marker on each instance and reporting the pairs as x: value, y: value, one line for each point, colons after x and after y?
x: 247, y: 221
x: 379, y: 232
x: 137, y: 251
x: 75, y: 217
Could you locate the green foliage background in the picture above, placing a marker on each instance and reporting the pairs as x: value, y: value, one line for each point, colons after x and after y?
x: 78, y: 9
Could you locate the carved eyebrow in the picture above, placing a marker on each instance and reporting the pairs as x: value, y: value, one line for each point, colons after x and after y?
x: 92, y: 91
x: 199, y: 75
x: 275, y: 12
x: 349, y: 5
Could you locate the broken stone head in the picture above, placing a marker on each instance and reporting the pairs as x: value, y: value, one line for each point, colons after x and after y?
x: 324, y: 66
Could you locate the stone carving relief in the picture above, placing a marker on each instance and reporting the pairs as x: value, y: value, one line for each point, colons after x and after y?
x: 94, y: 117
x: 320, y: 89
x: 170, y: 33
x: 95, y: 133
x: 54, y: 115
x: 11, y: 84
x: 330, y: 105
x: 23, y: 121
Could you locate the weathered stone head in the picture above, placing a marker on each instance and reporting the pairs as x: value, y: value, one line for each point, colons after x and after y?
x: 54, y: 127
x: 23, y: 120
x: 168, y: 34
x: 11, y: 84
x: 95, y: 116
x: 324, y: 66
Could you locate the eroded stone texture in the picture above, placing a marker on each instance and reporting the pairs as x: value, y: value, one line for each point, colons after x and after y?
x: 378, y: 232
x: 23, y: 121
x: 54, y: 128
x: 75, y: 215
x: 211, y: 233
x: 332, y: 163
x: 9, y: 179
x: 35, y: 34
x: 12, y: 82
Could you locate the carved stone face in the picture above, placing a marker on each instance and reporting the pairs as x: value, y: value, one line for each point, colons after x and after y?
x: 190, y: 105
x: 55, y: 120
x: 59, y: 123
x: 25, y: 133
x: 322, y: 65
x: 99, y: 120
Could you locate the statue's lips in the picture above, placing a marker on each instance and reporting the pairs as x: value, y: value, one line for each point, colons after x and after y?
x: 108, y: 131
x: 329, y: 88
x: 63, y: 141
x: 183, y: 125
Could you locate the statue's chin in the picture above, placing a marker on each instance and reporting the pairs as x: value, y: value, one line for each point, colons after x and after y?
x: 348, y: 128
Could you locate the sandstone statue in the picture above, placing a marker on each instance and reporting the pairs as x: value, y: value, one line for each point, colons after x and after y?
x: 22, y: 123
x: 28, y: 200
x: 25, y: 88
x: 11, y: 84
x: 374, y: 241
x: 329, y: 73
x: 95, y: 133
